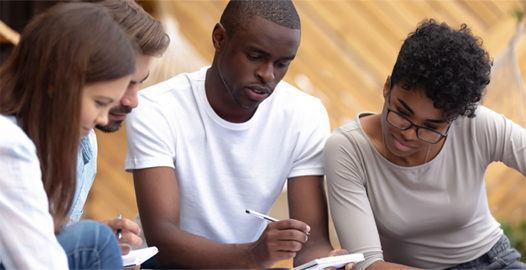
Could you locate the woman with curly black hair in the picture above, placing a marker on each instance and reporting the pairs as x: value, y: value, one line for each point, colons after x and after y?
x: 406, y: 187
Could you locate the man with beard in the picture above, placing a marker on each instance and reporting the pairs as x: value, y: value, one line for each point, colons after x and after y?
x: 151, y: 42
x: 205, y: 146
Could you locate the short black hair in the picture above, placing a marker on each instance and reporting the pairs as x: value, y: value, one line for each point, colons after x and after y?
x: 451, y: 65
x: 238, y: 13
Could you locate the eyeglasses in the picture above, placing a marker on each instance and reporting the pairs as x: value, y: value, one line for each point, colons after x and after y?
x: 401, y: 122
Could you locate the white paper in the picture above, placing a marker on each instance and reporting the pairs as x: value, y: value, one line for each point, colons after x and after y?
x: 138, y: 256
x: 334, y: 261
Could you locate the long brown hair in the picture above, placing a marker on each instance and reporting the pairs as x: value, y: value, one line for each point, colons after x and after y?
x: 60, y: 51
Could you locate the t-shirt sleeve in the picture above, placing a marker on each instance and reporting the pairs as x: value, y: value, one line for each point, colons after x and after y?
x: 315, y: 129
x: 500, y: 139
x: 150, y: 137
x: 350, y: 208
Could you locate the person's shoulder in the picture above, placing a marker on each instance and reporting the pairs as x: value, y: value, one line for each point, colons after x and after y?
x: 484, y: 117
x: 485, y: 112
x: 10, y: 130
x: 287, y: 91
x: 354, y: 125
x: 177, y: 85
x: 296, y: 103
x: 350, y: 131
x: 12, y: 136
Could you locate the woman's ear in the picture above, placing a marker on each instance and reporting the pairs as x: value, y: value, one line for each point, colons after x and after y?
x: 387, y: 86
x: 218, y: 36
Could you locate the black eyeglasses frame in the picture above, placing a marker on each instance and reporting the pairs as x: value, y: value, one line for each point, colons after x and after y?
x: 389, y: 110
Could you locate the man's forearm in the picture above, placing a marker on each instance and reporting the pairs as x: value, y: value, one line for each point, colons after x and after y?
x: 180, y: 249
x: 312, y: 250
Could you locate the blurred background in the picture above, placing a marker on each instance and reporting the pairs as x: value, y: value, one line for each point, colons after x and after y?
x: 348, y: 49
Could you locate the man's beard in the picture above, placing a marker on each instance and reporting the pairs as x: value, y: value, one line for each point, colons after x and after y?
x: 114, y: 125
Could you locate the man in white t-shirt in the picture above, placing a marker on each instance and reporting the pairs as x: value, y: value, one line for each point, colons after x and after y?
x: 205, y: 146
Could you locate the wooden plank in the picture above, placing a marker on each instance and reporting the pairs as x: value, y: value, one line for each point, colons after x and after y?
x: 333, y: 105
x: 379, y: 18
x: 331, y: 87
x: 505, y: 6
x: 328, y: 66
x: 373, y: 25
x: 335, y: 52
x: 111, y: 179
x: 497, y: 38
x: 220, y: 5
x: 483, y: 11
x: 456, y: 14
x: 8, y: 35
x: 345, y: 35
x: 406, y: 11
x: 193, y: 28
x: 108, y: 205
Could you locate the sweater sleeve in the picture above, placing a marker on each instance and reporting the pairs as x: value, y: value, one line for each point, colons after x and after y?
x: 350, y: 208
x: 500, y: 139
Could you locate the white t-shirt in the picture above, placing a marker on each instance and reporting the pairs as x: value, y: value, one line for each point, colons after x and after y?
x: 223, y: 168
x: 27, y: 238
x: 431, y: 216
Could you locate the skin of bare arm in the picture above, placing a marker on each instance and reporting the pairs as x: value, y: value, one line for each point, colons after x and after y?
x: 387, y: 265
x: 159, y: 208
x: 308, y: 203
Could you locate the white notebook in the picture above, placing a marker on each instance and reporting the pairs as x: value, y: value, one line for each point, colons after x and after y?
x: 334, y: 261
x: 138, y: 256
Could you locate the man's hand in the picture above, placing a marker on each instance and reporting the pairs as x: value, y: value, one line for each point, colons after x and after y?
x: 130, y: 233
x: 279, y: 241
x: 338, y: 252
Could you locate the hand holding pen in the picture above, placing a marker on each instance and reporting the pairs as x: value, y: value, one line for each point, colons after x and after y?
x: 126, y: 231
x: 279, y: 241
x: 265, y: 217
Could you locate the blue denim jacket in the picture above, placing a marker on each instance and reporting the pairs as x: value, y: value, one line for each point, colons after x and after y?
x: 86, y: 170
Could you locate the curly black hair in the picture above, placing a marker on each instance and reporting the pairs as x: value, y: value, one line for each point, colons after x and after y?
x: 451, y: 65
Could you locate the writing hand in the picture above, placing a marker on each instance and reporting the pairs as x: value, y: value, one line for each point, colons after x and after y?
x: 130, y: 233
x: 279, y: 241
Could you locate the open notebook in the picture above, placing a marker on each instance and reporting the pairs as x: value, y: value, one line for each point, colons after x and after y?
x: 138, y: 256
x: 334, y: 261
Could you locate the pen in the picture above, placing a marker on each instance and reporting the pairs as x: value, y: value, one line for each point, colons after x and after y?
x: 119, y: 232
x: 265, y: 217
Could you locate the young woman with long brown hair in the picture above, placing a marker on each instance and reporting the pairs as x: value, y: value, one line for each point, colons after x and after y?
x: 73, y: 63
